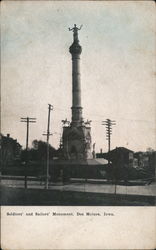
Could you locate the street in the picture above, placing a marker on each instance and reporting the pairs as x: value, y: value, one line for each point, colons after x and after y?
x: 149, y: 190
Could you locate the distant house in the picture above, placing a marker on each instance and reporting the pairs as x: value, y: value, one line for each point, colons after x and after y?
x: 146, y: 160
x: 121, y: 156
x: 10, y: 150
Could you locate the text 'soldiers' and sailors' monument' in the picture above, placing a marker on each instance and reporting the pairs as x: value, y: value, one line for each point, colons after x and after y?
x: 77, y: 133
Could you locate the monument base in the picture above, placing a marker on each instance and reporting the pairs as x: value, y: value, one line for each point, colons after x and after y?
x: 77, y: 142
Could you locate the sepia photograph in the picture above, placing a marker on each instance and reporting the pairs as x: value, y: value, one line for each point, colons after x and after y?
x: 78, y: 125
x: 78, y: 103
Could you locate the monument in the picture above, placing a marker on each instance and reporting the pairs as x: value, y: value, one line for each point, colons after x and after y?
x: 77, y: 133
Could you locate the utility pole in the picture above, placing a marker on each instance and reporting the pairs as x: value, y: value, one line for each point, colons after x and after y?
x: 50, y: 107
x: 108, y: 123
x: 27, y: 120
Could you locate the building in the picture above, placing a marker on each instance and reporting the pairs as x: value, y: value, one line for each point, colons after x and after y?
x: 86, y: 169
x: 146, y: 160
x: 122, y: 156
x: 119, y: 156
x: 10, y: 150
x: 77, y: 133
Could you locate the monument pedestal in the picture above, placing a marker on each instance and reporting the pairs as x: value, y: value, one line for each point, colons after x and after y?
x: 77, y: 142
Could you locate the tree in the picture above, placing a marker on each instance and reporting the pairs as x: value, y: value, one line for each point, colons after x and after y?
x: 39, y: 150
x: 149, y: 150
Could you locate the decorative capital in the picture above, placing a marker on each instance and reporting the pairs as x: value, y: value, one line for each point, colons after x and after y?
x: 75, y: 49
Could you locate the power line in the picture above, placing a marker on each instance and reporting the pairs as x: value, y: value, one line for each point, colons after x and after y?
x: 98, y: 115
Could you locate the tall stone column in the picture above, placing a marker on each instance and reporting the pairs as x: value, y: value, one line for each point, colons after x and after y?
x: 75, y: 50
x: 76, y: 136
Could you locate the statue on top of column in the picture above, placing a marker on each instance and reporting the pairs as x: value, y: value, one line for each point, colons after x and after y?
x: 75, y: 32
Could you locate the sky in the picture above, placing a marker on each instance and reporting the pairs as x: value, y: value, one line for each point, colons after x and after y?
x: 117, y: 69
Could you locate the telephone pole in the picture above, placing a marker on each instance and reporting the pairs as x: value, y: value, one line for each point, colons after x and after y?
x: 108, y: 123
x: 27, y: 120
x: 50, y: 107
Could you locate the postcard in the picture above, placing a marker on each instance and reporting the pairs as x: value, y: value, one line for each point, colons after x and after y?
x: 78, y: 122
